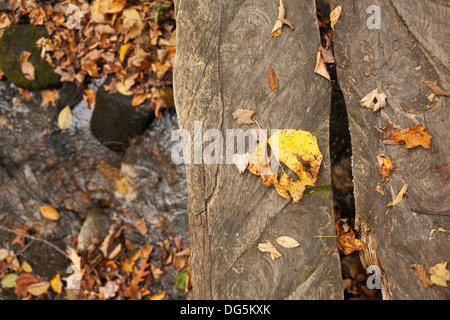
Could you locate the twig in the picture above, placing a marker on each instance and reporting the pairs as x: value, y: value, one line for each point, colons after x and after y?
x: 442, y: 213
x: 34, y: 238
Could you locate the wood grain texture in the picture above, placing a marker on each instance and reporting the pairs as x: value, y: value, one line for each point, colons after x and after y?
x: 223, y: 56
x: 411, y: 35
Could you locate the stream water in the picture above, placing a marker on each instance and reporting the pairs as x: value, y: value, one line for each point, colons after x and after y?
x: 71, y: 171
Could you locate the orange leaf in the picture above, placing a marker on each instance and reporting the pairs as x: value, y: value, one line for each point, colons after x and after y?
x: 385, y: 165
x: 346, y: 238
x: 89, y: 96
x: 138, y: 99
x: 414, y: 137
x: 49, y: 96
x: 48, y: 212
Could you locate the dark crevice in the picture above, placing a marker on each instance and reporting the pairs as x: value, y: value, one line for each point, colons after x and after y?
x: 353, y: 273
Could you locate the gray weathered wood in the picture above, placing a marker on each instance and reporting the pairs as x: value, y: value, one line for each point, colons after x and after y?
x: 223, y: 56
x: 412, y: 34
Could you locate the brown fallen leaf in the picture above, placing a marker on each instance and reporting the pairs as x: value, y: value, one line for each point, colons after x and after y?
x: 327, y: 51
x: 422, y: 274
x: 27, y: 68
x: 399, y: 196
x: 243, y: 116
x: 385, y: 165
x: 334, y: 16
x: 278, y: 27
x: 49, y: 96
x: 138, y: 99
x: 444, y: 171
x: 346, y: 238
x: 270, y: 248
x: 433, y: 85
x: 374, y: 100
x: 273, y: 81
x: 320, y: 67
x: 89, y: 95
x: 388, y: 131
x: 24, y: 93
x: 439, y: 274
x: 141, y: 226
x: 413, y: 137
x: 38, y: 289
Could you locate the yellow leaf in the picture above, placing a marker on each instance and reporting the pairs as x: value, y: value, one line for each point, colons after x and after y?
x: 128, y: 263
x: 56, y: 283
x: 299, y: 151
x: 120, y: 86
x: 26, y: 267
x: 38, y: 288
x: 109, y: 6
x: 65, y: 118
x: 123, y: 51
x: 48, y: 212
x: 439, y: 274
x: 334, y: 16
x: 138, y: 99
x: 158, y: 296
x: 414, y: 137
x: 287, y: 242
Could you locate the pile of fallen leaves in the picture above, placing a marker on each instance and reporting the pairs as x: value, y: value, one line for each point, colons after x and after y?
x: 134, y: 40
x: 110, y: 268
x: 114, y: 268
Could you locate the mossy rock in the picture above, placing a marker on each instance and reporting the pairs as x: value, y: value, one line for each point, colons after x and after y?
x: 20, y: 38
x: 115, y: 121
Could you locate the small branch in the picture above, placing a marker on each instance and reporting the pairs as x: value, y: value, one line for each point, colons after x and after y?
x: 34, y: 238
x: 442, y: 213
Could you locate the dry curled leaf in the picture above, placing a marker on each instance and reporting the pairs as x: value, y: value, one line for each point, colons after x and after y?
x: 388, y: 131
x: 334, y: 16
x: 287, y: 242
x: 273, y: 81
x: 320, y: 67
x: 243, y: 116
x: 374, y: 100
x: 281, y: 21
x: 413, y: 137
x: 270, y: 248
x: 49, y: 96
x: 422, y: 274
x: 433, y: 85
x: 399, y: 196
x: 346, y: 238
x: 27, y: 68
x: 385, y: 165
x: 89, y: 95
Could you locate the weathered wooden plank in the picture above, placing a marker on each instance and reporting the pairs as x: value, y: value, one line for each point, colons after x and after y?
x: 223, y: 56
x: 410, y: 44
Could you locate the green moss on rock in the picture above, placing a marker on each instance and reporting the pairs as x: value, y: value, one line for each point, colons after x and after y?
x: 20, y: 38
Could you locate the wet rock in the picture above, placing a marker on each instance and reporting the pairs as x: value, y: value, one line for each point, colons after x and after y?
x: 16, y: 39
x: 95, y: 226
x: 115, y: 121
